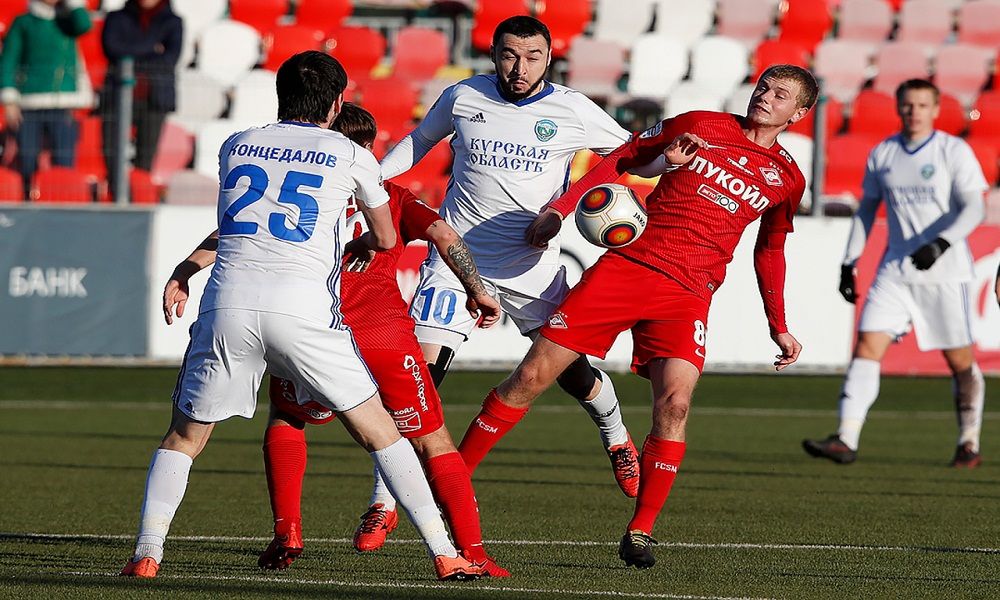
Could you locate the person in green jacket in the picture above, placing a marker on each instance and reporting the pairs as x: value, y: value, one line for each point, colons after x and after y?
x: 42, y: 78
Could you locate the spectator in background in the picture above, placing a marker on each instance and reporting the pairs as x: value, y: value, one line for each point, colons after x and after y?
x: 149, y: 32
x: 42, y: 78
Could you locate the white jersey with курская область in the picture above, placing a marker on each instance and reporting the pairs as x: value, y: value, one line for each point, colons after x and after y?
x: 511, y: 159
x: 283, y: 191
x: 932, y: 188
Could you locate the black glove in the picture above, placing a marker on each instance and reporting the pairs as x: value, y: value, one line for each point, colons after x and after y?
x: 847, y: 289
x: 925, y: 255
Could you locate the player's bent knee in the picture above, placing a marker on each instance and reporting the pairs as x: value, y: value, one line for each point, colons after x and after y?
x: 186, y: 435
x: 370, y: 425
x: 433, y: 444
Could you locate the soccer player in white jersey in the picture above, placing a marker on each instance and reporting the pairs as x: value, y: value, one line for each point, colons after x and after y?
x: 272, y: 304
x: 513, y: 137
x: 932, y: 186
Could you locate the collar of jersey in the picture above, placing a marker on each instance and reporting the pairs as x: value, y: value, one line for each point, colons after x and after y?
x: 299, y: 123
x: 902, y: 143
x: 546, y: 90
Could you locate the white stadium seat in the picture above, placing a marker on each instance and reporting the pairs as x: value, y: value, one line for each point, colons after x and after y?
x: 801, y: 148
x: 738, y: 100
x: 685, y: 21
x: 227, y: 50
x: 209, y: 139
x: 719, y: 63
x: 200, y: 98
x: 657, y: 64
x: 691, y: 95
x: 255, y: 99
x: 617, y: 23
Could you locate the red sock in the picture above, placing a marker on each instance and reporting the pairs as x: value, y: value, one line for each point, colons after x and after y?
x: 658, y: 467
x: 491, y: 424
x: 452, y: 487
x: 285, y: 465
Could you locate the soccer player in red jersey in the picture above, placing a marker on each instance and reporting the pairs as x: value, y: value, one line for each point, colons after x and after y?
x: 383, y: 330
x: 720, y: 172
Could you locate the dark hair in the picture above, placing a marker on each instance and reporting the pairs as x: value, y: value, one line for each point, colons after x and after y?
x: 808, y: 88
x: 917, y: 84
x: 356, y: 123
x: 308, y: 84
x: 521, y: 26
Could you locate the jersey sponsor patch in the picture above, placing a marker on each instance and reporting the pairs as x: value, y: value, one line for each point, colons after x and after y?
x: 709, y: 193
x: 652, y: 131
x: 407, y: 420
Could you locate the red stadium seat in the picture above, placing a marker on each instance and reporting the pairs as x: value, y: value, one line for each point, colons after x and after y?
x: 358, y: 48
x: 846, y: 156
x: 952, y: 116
x: 392, y: 104
x: 286, y: 40
x: 806, y: 22
x: 144, y: 191
x: 873, y: 114
x: 963, y: 70
x: 746, y: 20
x: 262, y: 15
x: 834, y: 120
x: 93, y: 54
x: 566, y: 19
x: 988, y: 154
x: 979, y: 23
x: 925, y: 21
x: 595, y: 66
x: 174, y: 151
x: 899, y: 61
x: 90, y: 147
x: 771, y: 52
x: 985, y: 121
x: 322, y: 14
x: 843, y: 65
x: 9, y: 10
x: 418, y: 53
x: 488, y: 15
x: 864, y: 20
x: 11, y: 186
x: 61, y: 184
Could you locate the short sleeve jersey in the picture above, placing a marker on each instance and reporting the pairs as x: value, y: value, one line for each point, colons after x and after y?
x: 511, y: 158
x: 283, y: 191
x: 697, y: 214
x: 919, y: 188
x: 373, y: 306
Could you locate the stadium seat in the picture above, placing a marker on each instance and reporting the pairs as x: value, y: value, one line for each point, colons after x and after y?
x: 963, y: 70
x: 805, y: 22
x: 255, y: 98
x: 925, y: 21
x: 844, y: 67
x: 985, y: 117
x: 488, y: 15
x: 801, y: 149
x: 834, y: 120
x: 774, y: 52
x: 200, y: 97
x: 656, y: 65
x: 89, y: 147
x: 227, y: 50
x: 691, y: 95
x: 11, y: 186
x: 612, y: 24
x: 566, y: 20
x: 358, y: 48
x: 952, y: 116
x: 418, y: 53
x: 9, y: 10
x: 142, y: 188
x: 262, y: 15
x: 686, y: 21
x: 322, y: 14
x: 208, y: 140
x: 286, y: 40
x: 979, y: 23
x: 191, y: 188
x: 595, y: 66
x: 93, y: 54
x: 988, y: 154
x: 846, y: 156
x: 873, y: 114
x: 110, y: 5
x: 898, y: 61
x: 749, y: 21
x: 199, y: 14
x: 739, y: 99
x: 174, y: 150
x: 390, y: 103
x: 865, y: 20
x: 719, y: 63
x: 61, y: 184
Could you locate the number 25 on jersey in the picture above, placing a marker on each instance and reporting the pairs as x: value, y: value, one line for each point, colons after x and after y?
x: 277, y: 222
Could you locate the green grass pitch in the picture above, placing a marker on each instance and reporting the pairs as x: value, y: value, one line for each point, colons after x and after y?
x: 751, y: 516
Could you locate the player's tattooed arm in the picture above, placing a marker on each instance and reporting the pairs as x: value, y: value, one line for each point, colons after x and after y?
x: 461, y: 262
x: 457, y: 255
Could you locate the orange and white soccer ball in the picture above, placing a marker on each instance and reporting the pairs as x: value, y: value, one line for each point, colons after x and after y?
x: 610, y: 216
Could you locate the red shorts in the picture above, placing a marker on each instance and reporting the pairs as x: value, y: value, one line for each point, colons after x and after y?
x: 283, y: 396
x: 667, y: 319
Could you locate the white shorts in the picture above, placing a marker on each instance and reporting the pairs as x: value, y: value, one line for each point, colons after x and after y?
x: 438, y: 305
x: 939, y: 314
x: 230, y: 350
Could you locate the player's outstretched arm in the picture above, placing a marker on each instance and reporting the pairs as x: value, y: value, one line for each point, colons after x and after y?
x: 458, y: 257
x: 176, y: 292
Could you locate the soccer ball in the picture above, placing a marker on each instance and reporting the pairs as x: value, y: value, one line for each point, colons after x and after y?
x: 610, y: 216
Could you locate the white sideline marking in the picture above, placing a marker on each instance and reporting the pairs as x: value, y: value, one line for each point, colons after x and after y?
x: 425, y: 586
x: 558, y: 409
x: 580, y: 543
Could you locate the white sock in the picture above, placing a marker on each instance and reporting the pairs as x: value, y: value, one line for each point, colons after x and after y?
x: 405, y: 479
x: 381, y: 493
x: 857, y: 396
x: 606, y: 413
x: 165, y: 486
x: 970, y: 392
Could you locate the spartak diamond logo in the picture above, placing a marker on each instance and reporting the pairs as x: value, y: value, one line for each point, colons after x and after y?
x: 771, y: 176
